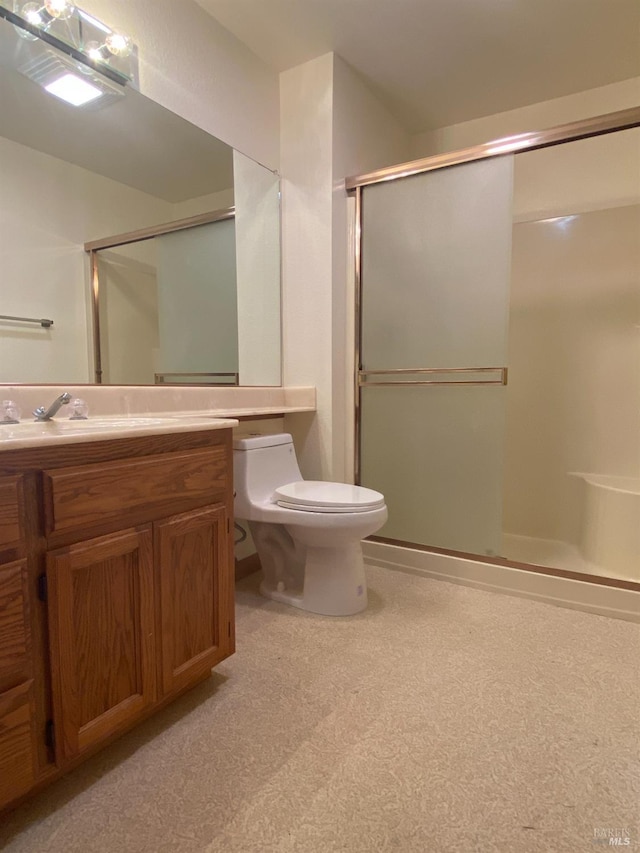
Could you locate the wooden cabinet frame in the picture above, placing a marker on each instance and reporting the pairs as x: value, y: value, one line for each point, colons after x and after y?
x: 122, y: 550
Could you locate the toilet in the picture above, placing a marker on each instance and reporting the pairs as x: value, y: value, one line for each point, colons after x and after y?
x: 307, y: 533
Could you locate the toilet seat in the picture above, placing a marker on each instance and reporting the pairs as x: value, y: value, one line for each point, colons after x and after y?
x: 321, y: 496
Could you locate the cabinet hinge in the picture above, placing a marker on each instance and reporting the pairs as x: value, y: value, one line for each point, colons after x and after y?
x: 229, y: 634
x: 43, y: 590
x: 50, y: 735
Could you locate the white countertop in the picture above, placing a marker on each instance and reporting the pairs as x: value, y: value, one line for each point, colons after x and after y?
x: 167, y: 400
x: 28, y: 434
x: 121, y: 411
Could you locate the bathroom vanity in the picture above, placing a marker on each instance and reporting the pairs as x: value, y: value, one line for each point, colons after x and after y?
x: 116, y: 585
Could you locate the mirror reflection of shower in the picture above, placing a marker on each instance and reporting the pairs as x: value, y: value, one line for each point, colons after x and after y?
x: 167, y: 307
x: 72, y: 175
x: 195, y: 301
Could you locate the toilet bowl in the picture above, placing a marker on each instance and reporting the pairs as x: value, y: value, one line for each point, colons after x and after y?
x: 307, y: 533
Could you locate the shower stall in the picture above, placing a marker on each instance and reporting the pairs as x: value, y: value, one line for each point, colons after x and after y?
x: 498, y: 350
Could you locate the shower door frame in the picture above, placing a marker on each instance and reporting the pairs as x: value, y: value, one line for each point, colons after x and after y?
x: 530, y: 141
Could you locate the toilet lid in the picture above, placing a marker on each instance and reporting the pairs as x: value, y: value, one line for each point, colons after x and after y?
x: 320, y: 496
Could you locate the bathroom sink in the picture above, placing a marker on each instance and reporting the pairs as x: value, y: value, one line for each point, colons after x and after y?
x: 34, y: 428
x: 29, y: 433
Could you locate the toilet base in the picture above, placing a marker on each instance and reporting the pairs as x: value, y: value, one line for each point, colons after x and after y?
x: 334, y: 582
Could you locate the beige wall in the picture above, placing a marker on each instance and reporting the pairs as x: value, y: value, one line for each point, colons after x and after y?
x: 128, y: 314
x: 257, y: 202
x: 193, y: 66
x: 306, y: 94
x: 590, y: 174
x: 593, y: 102
x: 331, y: 127
x: 203, y: 204
x: 44, y: 266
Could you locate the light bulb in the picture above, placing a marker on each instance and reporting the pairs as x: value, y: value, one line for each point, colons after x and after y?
x: 118, y: 44
x: 32, y: 13
x: 61, y: 9
x: 94, y: 49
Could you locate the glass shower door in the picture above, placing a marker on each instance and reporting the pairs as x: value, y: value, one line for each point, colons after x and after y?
x: 198, y: 304
x: 436, y: 257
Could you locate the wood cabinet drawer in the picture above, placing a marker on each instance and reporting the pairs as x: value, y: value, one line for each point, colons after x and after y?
x: 17, y: 752
x: 10, y: 516
x: 90, y: 495
x: 15, y: 644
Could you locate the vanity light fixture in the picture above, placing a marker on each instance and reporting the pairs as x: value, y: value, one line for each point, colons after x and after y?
x: 70, y: 53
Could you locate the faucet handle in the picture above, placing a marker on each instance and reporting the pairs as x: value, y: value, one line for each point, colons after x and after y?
x: 79, y: 410
x: 9, y: 412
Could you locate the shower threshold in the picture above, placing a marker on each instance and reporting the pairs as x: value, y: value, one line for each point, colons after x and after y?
x: 540, y: 556
x: 552, y: 553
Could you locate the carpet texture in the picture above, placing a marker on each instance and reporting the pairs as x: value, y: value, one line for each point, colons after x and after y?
x: 441, y: 718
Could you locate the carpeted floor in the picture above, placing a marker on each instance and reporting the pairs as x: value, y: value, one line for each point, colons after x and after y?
x: 442, y: 718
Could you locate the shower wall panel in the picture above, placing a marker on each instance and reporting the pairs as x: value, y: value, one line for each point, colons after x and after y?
x: 574, y: 365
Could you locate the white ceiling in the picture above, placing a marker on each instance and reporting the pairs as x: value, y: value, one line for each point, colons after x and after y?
x: 439, y: 62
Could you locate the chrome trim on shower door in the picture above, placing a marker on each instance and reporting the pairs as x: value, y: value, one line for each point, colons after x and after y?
x: 583, y: 129
x: 499, y: 379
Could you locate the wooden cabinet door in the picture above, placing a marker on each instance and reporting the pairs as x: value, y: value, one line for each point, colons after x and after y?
x: 11, y: 497
x: 17, y: 746
x: 103, y: 655
x: 15, y: 632
x: 194, y: 577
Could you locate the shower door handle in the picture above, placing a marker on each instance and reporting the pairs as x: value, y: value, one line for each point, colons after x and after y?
x: 498, y: 376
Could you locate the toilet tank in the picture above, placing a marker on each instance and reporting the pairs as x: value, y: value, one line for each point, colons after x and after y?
x: 261, y: 463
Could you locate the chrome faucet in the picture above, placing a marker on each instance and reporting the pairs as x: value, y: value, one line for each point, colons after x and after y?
x: 42, y: 414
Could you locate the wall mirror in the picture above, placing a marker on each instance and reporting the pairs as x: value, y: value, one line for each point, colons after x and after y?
x: 197, y: 303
